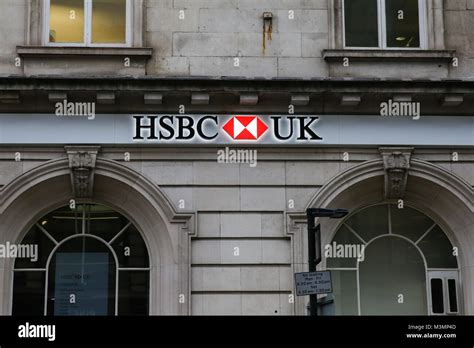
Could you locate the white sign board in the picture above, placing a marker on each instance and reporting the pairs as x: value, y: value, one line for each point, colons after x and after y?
x: 218, y: 130
x: 310, y: 283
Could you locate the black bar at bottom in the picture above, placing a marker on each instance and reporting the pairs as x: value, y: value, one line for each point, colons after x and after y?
x: 415, y: 330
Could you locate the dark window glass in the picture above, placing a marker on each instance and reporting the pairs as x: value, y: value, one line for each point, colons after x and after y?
x: 437, y: 295
x: 28, y: 287
x: 62, y: 223
x: 453, y: 301
x: 83, y: 275
x: 131, y: 249
x: 35, y: 237
x: 438, y: 250
x: 409, y: 222
x: 360, y: 22
x: 403, y: 28
x: 103, y: 221
x: 133, y: 292
x: 84, y: 268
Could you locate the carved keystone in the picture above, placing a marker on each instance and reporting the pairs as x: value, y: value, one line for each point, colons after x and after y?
x: 396, y: 162
x: 82, y: 161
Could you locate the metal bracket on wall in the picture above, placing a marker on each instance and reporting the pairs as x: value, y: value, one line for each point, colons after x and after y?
x: 267, y: 29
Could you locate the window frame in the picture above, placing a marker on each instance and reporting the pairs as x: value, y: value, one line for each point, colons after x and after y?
x: 54, y: 253
x: 382, y: 29
x: 87, y: 40
x: 445, y: 275
x: 430, y: 272
x: 82, y: 217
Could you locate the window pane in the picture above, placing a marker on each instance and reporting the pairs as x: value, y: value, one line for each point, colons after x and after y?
x: 83, y: 267
x: 104, y: 222
x: 453, y: 301
x: 438, y: 250
x: 133, y: 292
x: 62, y: 223
x: 370, y: 222
x: 409, y: 222
x: 35, y: 237
x: 108, y: 21
x: 344, y: 285
x: 437, y: 295
x: 403, y: 28
x: 66, y: 21
x: 131, y: 249
x: 360, y: 21
x: 344, y: 239
x: 28, y: 288
x: 392, y: 267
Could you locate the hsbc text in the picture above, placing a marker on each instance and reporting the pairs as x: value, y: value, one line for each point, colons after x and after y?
x: 225, y: 128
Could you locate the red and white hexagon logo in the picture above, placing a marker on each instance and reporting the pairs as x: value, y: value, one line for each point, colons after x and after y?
x: 245, y: 127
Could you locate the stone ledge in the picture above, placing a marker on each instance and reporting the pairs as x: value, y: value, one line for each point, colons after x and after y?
x: 387, y: 55
x: 49, y: 51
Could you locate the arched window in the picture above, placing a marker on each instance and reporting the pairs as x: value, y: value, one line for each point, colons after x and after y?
x: 91, y: 261
x: 390, y: 261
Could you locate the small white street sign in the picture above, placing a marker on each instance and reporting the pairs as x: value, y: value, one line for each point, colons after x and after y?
x: 310, y: 283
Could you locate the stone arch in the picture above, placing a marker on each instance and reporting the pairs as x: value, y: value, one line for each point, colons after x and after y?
x: 443, y: 196
x: 166, y: 233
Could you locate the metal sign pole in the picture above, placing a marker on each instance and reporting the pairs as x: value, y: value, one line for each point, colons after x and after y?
x: 314, y: 246
x: 312, y: 262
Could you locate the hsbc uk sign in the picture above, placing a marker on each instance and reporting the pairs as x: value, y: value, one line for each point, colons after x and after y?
x: 226, y: 129
x: 235, y: 130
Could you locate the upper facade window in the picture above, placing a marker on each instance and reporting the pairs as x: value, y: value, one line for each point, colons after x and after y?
x: 87, y: 22
x: 384, y: 24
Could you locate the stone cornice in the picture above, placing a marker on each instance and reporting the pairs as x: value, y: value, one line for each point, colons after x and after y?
x: 60, y: 51
x: 19, y: 94
x: 185, y: 82
x: 397, y: 55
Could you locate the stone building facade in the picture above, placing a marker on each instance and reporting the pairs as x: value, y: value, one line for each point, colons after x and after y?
x: 227, y: 238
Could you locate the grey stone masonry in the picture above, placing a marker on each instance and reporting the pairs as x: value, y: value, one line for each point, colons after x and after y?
x: 227, y: 38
